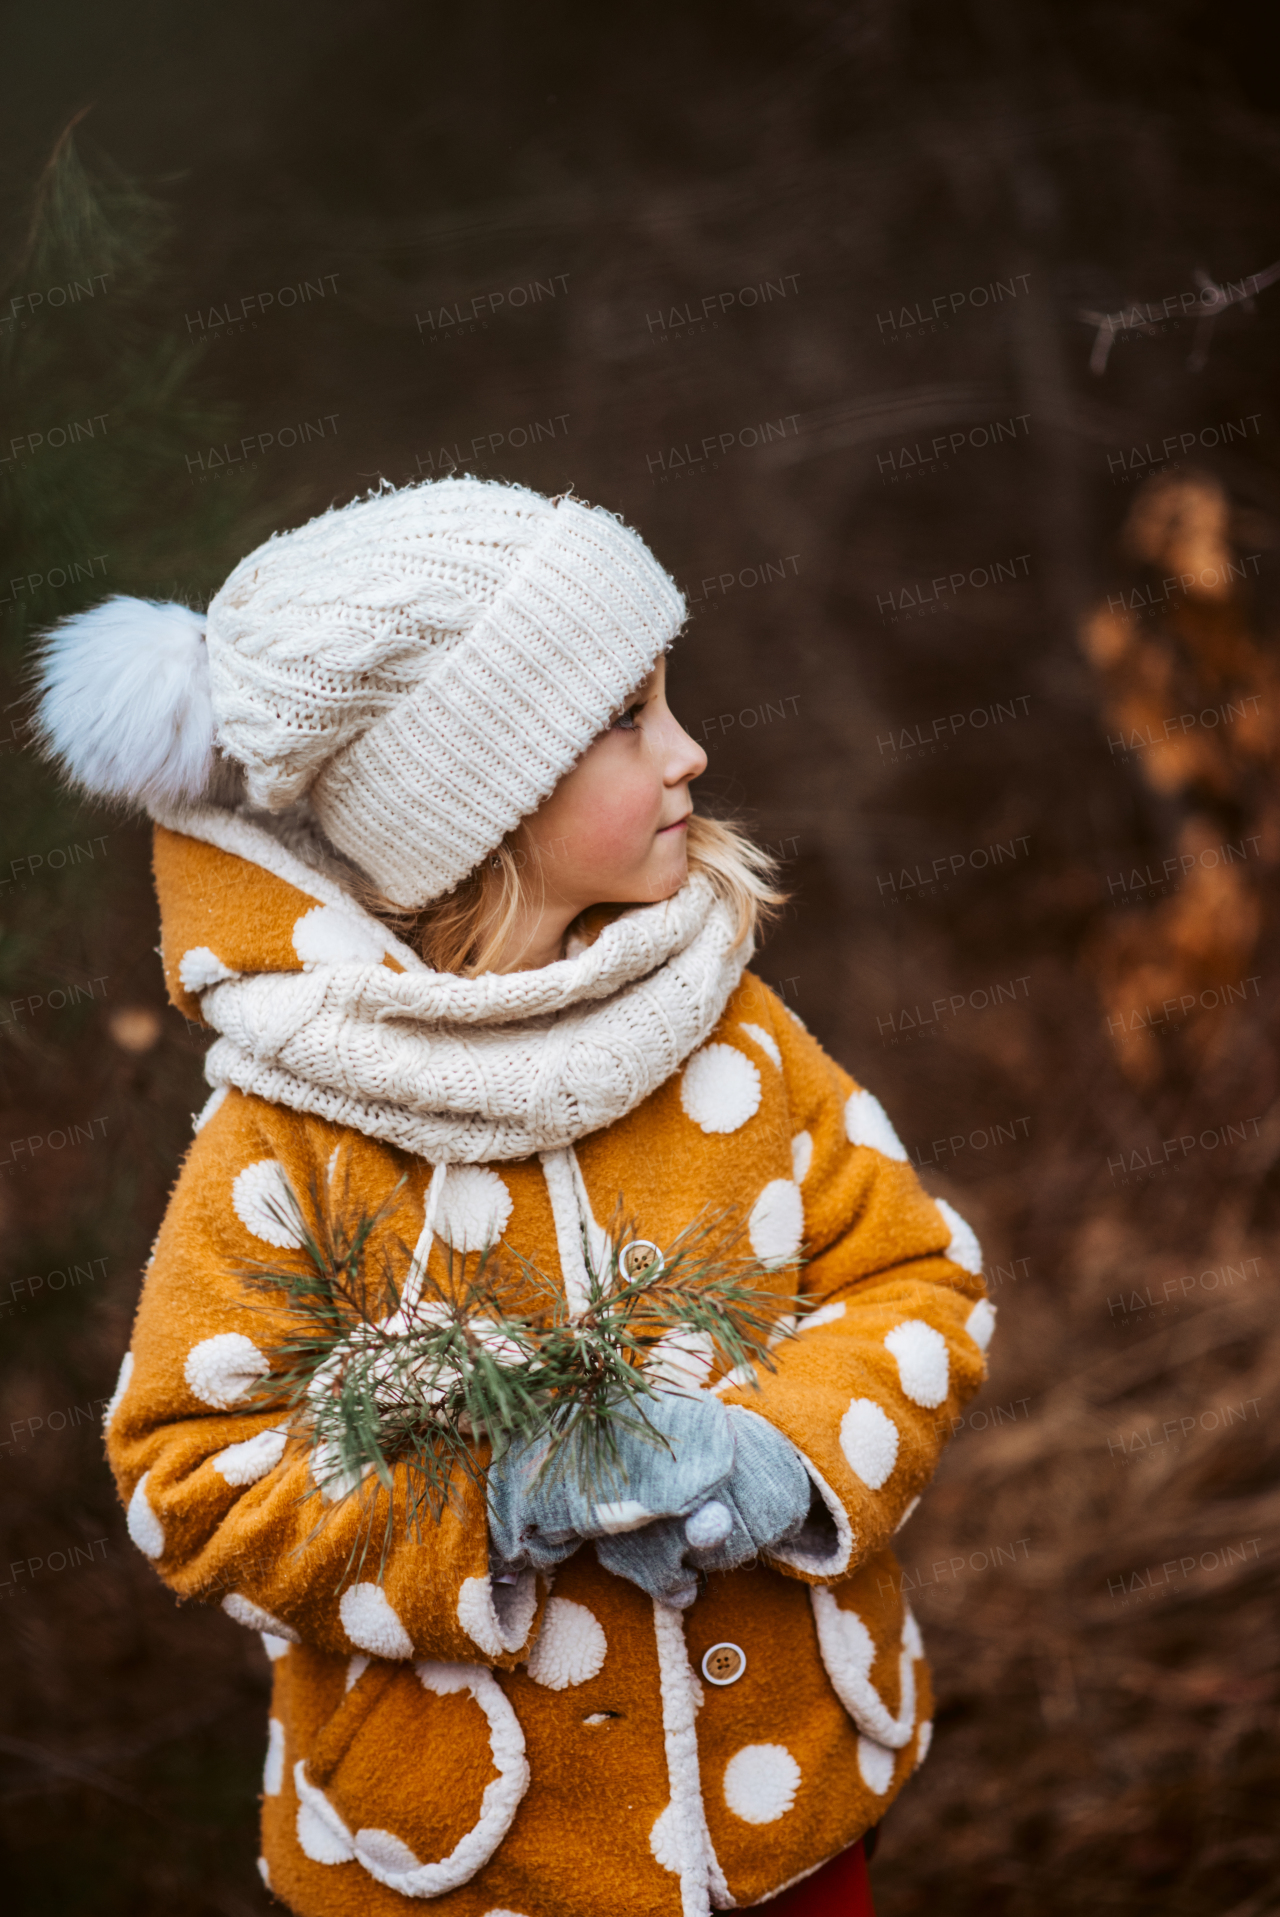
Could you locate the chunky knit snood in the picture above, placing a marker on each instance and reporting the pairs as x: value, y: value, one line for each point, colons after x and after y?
x: 467, y: 1071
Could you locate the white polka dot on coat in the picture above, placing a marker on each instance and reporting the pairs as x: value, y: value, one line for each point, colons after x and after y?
x: 866, y: 1122
x: 245, y: 1463
x: 869, y: 1440
x: 123, y: 1382
x: 328, y: 936
x: 222, y: 1370
x: 254, y: 1618
x: 760, y: 1783
x: 765, y: 1040
x: 964, y: 1249
x: 264, y: 1202
x: 876, y: 1765
x: 141, y: 1522
x: 924, y: 1364
x: 720, y: 1088
x: 570, y: 1647
x: 273, y: 1769
x: 776, y: 1224
x: 475, y: 1205
x: 981, y: 1323
x: 371, y: 1623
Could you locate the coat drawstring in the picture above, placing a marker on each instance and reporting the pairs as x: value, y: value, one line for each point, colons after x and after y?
x: 577, y: 1232
x: 416, y: 1275
x: 571, y: 1212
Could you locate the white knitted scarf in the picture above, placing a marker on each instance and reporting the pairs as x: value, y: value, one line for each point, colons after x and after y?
x: 464, y: 1071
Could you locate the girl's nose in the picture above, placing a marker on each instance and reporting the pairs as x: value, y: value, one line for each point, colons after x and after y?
x: 687, y: 760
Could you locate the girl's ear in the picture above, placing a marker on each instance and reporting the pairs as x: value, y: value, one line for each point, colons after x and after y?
x: 124, y: 702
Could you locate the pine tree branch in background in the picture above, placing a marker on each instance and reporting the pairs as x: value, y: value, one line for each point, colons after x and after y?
x: 104, y: 403
x: 1208, y: 304
x: 104, y: 400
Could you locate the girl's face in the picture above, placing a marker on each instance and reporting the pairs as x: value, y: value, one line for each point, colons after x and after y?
x: 614, y: 828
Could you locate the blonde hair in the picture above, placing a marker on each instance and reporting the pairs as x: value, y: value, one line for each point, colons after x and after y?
x: 466, y: 931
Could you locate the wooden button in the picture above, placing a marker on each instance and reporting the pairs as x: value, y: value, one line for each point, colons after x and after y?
x: 724, y: 1664
x: 638, y: 1256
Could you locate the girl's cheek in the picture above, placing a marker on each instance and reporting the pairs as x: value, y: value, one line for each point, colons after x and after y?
x: 613, y: 822
x: 618, y: 837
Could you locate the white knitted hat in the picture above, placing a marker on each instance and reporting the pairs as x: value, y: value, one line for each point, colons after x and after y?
x: 426, y: 664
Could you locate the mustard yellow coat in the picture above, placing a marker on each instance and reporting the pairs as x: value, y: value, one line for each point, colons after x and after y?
x: 579, y: 1750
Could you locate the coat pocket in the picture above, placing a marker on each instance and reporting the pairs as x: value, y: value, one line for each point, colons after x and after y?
x: 871, y: 1650
x: 416, y: 1777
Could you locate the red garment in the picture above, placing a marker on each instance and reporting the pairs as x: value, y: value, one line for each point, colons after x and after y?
x: 841, y: 1888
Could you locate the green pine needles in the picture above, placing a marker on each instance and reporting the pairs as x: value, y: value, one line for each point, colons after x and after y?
x: 381, y: 1366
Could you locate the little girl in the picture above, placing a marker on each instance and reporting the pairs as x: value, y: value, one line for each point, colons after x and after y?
x: 394, y: 770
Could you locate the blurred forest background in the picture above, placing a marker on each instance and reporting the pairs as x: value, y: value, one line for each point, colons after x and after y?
x: 934, y: 349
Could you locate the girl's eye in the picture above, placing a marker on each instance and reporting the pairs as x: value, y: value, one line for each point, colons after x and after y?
x: 626, y: 721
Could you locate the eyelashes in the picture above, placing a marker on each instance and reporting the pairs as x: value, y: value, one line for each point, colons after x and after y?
x: 626, y: 720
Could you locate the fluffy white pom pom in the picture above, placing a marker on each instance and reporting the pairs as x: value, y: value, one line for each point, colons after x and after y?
x: 125, y: 707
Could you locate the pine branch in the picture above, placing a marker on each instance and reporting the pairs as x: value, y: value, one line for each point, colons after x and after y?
x: 390, y: 1374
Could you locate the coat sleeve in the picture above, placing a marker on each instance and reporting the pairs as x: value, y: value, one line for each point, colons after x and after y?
x: 216, y: 1489
x: 893, y: 1344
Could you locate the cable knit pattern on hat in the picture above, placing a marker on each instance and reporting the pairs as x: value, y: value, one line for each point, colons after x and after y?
x: 428, y: 663
x: 465, y: 1071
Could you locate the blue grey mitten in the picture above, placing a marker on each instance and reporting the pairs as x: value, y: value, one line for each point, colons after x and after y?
x: 539, y: 1517
x: 764, y: 1500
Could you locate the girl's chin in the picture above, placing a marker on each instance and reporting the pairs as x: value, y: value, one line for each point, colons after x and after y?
x: 655, y: 882
x: 671, y: 880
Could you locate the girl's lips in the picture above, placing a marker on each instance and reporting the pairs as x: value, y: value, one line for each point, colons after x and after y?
x: 675, y: 826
